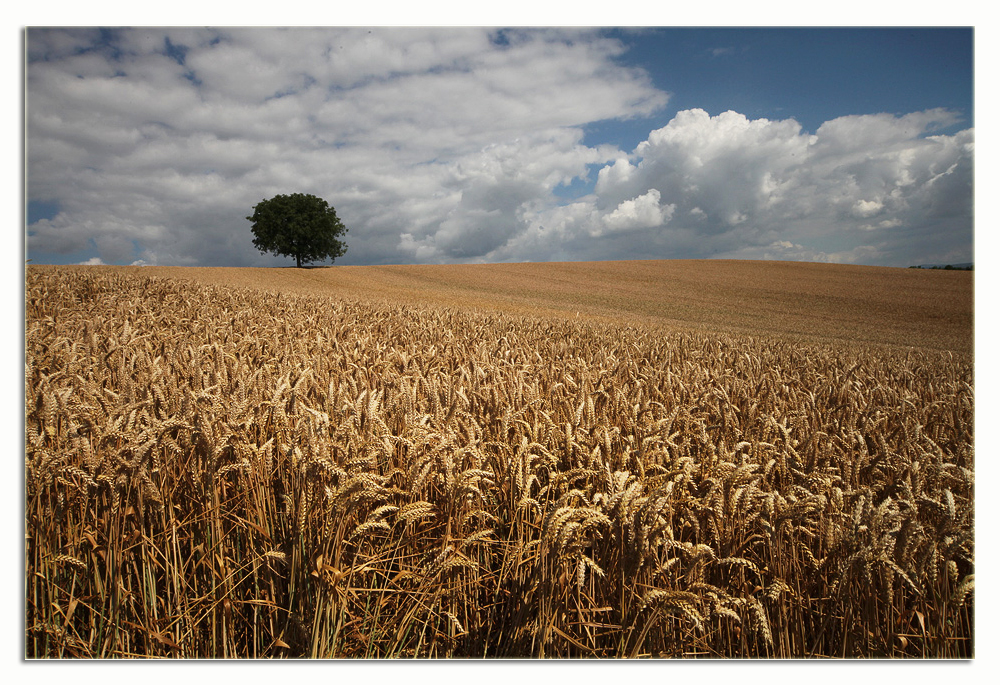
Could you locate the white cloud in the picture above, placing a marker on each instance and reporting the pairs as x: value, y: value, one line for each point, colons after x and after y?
x: 867, y: 208
x: 168, y: 137
x: 885, y: 223
x: 441, y: 145
x: 642, y: 212
x: 788, y: 251
x: 763, y: 189
x: 873, y: 132
x: 617, y: 174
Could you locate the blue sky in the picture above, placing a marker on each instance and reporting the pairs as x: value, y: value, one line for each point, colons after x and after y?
x: 811, y: 74
x: 440, y: 145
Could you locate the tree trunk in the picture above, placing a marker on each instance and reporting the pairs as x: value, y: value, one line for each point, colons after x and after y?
x: 298, y: 261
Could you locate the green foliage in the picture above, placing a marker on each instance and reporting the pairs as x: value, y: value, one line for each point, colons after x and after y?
x: 298, y: 225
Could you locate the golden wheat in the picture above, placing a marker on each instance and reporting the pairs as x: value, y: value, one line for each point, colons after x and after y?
x: 214, y: 471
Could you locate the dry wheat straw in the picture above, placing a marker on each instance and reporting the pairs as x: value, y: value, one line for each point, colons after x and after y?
x: 223, y: 472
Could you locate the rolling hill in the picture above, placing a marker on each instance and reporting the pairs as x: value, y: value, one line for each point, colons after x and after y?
x: 808, y: 301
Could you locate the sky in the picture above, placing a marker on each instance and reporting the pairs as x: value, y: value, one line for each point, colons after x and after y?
x: 469, y: 145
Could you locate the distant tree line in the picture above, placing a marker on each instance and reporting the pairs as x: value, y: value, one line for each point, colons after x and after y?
x: 946, y: 267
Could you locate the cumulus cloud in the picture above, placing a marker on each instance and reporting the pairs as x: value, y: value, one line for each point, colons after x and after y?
x: 157, y: 143
x: 453, y: 145
x: 871, y: 189
x: 642, y: 212
x: 867, y: 208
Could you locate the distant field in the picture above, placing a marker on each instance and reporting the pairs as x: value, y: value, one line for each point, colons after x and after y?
x: 908, y: 307
x: 641, y: 459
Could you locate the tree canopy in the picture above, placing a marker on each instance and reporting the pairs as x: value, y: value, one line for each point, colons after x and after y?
x: 298, y: 225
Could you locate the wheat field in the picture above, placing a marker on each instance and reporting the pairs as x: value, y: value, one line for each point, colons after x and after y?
x: 711, y: 460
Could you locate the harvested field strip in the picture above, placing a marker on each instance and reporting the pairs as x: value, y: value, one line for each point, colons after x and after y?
x: 235, y: 472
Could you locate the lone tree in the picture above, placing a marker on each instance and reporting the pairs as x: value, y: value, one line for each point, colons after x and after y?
x: 298, y: 225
